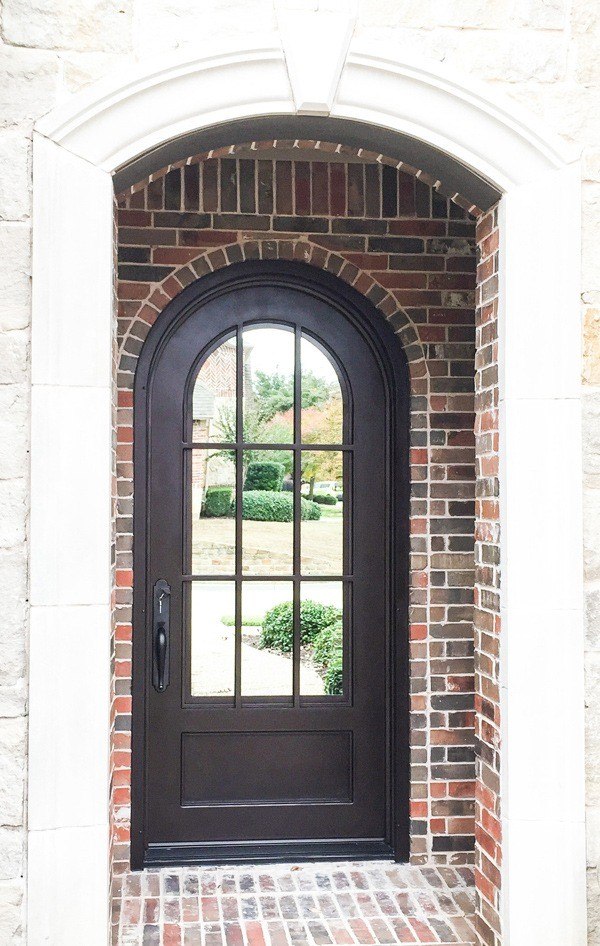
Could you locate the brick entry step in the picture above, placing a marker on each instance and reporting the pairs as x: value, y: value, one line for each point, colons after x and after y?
x: 298, y: 905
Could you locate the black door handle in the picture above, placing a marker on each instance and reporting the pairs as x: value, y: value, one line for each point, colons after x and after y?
x: 161, y: 656
x: 160, y: 635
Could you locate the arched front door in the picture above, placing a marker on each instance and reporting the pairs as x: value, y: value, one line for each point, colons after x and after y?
x: 270, y: 697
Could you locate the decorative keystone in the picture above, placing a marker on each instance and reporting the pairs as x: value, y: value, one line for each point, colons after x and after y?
x: 315, y: 37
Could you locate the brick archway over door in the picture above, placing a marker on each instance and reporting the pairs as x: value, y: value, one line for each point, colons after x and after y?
x: 439, y: 341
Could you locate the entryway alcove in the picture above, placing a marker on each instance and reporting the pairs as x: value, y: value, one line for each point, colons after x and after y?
x: 444, y: 168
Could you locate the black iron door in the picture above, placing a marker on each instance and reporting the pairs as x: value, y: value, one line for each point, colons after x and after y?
x: 268, y: 664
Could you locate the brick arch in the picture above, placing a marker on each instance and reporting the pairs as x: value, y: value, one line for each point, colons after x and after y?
x: 250, y: 148
x: 285, y: 249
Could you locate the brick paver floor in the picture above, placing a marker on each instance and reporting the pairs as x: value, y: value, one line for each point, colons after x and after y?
x: 298, y: 905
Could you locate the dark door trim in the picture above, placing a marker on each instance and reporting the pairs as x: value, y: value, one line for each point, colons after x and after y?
x: 392, y: 359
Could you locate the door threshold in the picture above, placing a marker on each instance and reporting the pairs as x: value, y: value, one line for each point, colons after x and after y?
x: 266, y: 852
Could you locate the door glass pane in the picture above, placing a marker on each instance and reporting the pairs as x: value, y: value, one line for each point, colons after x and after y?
x: 212, y: 638
x: 321, y: 622
x: 268, y: 512
x: 212, y: 511
x: 267, y: 638
x: 322, y: 525
x: 213, y: 396
x: 322, y: 403
x: 268, y: 385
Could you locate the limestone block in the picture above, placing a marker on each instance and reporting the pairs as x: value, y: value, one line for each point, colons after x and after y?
x: 15, y: 173
x: 585, y: 46
x: 592, y: 835
x: 571, y: 111
x: 13, y: 568
x: 592, y: 616
x: 11, y: 914
x: 13, y: 512
x: 539, y: 14
x: 583, y: 16
x: 591, y: 353
x: 591, y: 418
x: 593, y: 905
x: 508, y: 56
x: 11, y: 853
x: 15, y: 275
x: 69, y: 24
x: 592, y: 727
x: 13, y: 699
x: 28, y: 84
x: 12, y: 769
x: 175, y: 24
x: 333, y: 6
x: 403, y: 13
x: 591, y: 164
x: 417, y: 41
x: 587, y: 58
x: 79, y: 69
x: 590, y: 257
x: 14, y: 646
x: 471, y: 14
x: 591, y: 531
x: 14, y: 431
x: 14, y: 355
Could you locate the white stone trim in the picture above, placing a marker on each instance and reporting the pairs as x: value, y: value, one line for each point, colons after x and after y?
x: 69, y: 701
x: 542, y: 686
x: 116, y: 120
x: 78, y: 146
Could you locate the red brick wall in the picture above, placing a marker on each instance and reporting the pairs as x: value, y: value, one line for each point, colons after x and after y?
x: 487, y: 585
x: 411, y: 250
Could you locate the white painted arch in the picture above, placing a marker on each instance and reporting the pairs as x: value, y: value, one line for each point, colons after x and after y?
x: 77, y: 148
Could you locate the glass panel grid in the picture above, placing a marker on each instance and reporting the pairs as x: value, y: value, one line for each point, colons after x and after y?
x: 257, y: 553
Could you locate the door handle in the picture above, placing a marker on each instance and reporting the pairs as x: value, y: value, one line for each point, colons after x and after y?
x: 161, y: 656
x: 160, y: 635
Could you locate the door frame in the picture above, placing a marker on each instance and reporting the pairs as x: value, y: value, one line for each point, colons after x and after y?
x: 393, y: 363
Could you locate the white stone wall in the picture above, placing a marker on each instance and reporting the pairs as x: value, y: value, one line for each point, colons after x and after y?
x: 543, y: 53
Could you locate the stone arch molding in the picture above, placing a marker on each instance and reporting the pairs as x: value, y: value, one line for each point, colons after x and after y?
x: 114, y: 121
x: 78, y: 147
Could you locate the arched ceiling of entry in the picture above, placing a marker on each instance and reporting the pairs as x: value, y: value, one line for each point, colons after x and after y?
x: 454, y: 177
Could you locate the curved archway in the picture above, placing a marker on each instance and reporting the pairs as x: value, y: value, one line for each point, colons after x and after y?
x: 298, y: 249
x: 458, y: 124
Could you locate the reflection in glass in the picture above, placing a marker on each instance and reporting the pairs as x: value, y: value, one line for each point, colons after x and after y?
x: 268, y: 511
x: 213, y: 397
x: 267, y: 638
x: 212, y: 638
x: 268, y: 385
x: 322, y: 538
x: 213, y: 520
x: 321, y: 613
x: 322, y: 404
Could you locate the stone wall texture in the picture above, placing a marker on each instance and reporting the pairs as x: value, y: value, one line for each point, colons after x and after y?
x: 543, y: 54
